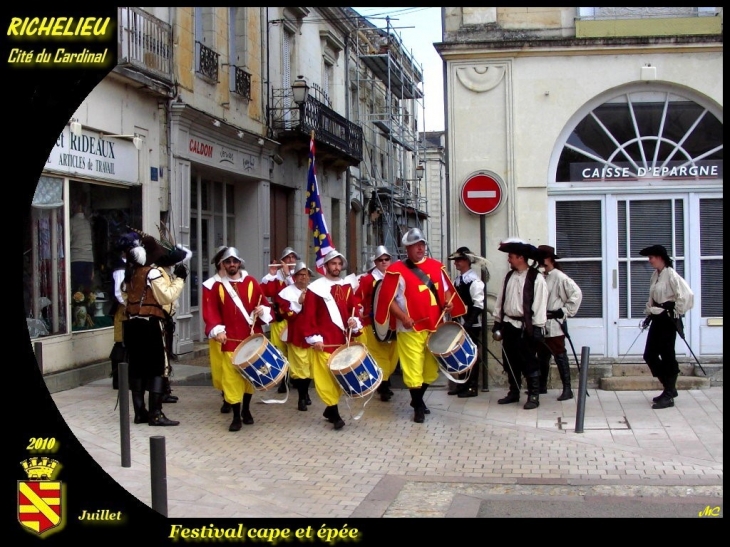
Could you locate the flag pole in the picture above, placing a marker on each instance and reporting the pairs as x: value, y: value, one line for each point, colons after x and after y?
x: 306, y: 207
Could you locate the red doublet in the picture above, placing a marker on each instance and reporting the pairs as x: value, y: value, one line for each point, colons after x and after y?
x: 271, y: 288
x: 220, y: 309
x: 364, y: 296
x: 294, y: 323
x: 316, y: 316
x: 421, y: 305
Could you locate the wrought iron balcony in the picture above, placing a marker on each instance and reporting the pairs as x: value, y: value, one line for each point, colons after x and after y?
x: 241, y: 82
x: 206, y: 62
x: 340, y: 139
x: 145, y: 44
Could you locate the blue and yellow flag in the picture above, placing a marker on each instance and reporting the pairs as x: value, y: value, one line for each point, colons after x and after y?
x: 320, y: 234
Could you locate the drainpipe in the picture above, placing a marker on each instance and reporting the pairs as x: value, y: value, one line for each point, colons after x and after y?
x: 348, y: 185
x: 447, y: 178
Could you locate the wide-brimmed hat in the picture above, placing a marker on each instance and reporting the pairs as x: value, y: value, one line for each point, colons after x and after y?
x: 546, y: 251
x: 657, y: 250
x: 462, y: 252
x: 334, y: 253
x: 232, y: 252
x: 520, y: 247
x: 288, y: 251
x: 162, y: 255
x: 412, y: 236
x: 380, y: 250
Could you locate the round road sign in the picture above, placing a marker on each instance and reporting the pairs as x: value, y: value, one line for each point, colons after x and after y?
x: 481, y: 194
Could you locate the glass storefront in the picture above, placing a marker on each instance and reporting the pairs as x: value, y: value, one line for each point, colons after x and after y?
x: 69, y: 251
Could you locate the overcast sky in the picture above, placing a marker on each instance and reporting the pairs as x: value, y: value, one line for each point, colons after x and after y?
x: 419, y: 28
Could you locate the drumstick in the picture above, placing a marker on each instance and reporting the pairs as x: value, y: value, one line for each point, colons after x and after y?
x: 253, y: 321
x: 444, y: 312
x: 349, y: 329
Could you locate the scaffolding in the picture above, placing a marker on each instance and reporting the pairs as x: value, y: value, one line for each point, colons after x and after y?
x: 390, y: 103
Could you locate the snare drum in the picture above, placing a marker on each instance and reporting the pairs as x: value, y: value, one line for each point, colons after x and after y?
x: 260, y: 362
x: 454, y: 351
x: 356, y: 371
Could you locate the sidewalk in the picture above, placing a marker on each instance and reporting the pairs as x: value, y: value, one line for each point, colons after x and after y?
x: 293, y: 464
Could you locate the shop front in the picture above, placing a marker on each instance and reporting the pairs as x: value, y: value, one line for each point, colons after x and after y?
x: 87, y: 195
x: 220, y: 196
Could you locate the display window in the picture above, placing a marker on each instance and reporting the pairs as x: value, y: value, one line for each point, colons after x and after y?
x: 70, y: 253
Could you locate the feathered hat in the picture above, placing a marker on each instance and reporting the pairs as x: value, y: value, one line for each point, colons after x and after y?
x: 475, y: 260
x: 520, y: 247
x: 163, y: 252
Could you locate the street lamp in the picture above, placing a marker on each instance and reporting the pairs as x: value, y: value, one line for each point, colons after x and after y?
x: 300, y: 90
x: 420, y: 169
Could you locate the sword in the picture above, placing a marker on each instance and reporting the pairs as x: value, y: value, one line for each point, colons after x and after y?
x: 641, y: 329
x: 564, y: 328
x: 565, y: 331
x: 680, y: 330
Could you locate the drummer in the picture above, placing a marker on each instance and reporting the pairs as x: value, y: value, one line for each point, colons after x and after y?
x: 280, y: 275
x: 384, y: 352
x: 328, y: 321
x: 289, y: 302
x: 235, y: 303
x: 419, y: 293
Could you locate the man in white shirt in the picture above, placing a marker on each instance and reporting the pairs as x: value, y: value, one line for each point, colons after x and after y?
x: 520, y: 314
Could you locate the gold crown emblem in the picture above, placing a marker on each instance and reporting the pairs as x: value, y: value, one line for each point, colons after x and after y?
x: 39, y: 468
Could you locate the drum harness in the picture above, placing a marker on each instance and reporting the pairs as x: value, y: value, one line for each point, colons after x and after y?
x: 423, y: 277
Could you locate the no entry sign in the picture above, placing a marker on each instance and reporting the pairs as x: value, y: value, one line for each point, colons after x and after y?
x: 481, y: 194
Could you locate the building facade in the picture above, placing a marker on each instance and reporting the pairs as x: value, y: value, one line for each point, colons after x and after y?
x: 198, y: 134
x: 106, y: 172
x: 603, y: 129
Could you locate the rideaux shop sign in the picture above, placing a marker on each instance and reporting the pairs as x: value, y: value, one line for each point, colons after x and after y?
x: 91, y: 155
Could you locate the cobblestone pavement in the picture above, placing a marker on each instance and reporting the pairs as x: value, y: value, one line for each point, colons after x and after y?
x: 468, y: 453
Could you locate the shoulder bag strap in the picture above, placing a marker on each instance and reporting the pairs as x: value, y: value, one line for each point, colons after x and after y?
x: 423, y: 277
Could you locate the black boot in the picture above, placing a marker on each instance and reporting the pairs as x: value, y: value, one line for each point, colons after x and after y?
x: 472, y: 385
x: 424, y: 387
x: 666, y: 400
x: 419, y: 415
x: 282, y: 384
x: 673, y: 393
x: 141, y: 415
x: 328, y: 414
x: 533, y: 389
x: 384, y: 390
x: 246, y: 413
x: 226, y: 407
x: 513, y: 395
x: 236, y: 423
x: 335, y: 418
x: 457, y: 388
x: 306, y: 382
x: 564, y: 369
x: 168, y: 397
x: 157, y: 393
x: 302, y: 391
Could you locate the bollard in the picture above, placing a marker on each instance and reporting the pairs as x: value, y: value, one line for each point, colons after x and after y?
x: 123, y: 394
x: 582, y: 388
x: 158, y: 474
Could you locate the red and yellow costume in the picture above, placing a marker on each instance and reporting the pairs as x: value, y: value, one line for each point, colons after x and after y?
x: 271, y: 285
x: 319, y: 326
x: 298, y: 350
x: 404, y: 288
x: 384, y: 353
x: 221, y: 314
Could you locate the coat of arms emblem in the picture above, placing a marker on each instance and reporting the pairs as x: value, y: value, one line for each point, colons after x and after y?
x: 40, y: 498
